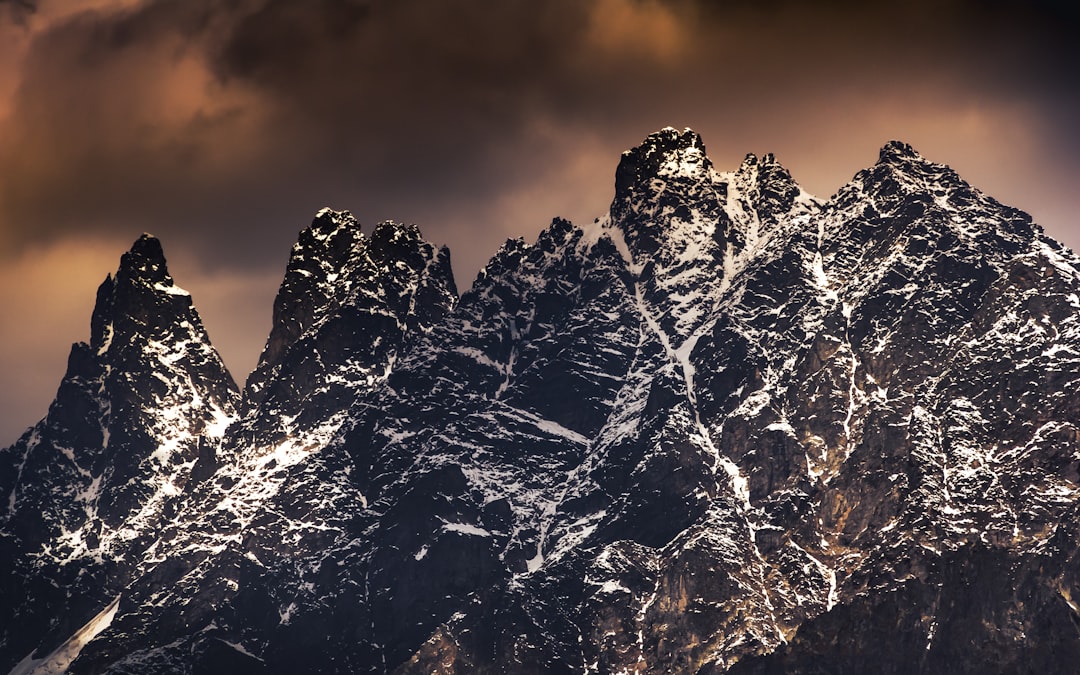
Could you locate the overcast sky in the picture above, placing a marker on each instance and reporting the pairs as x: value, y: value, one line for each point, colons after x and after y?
x: 222, y: 127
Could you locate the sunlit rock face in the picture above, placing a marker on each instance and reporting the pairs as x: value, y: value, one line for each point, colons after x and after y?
x: 727, y: 427
x: 93, y: 489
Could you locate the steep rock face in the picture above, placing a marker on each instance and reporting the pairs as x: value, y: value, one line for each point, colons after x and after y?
x: 349, y: 305
x: 686, y: 229
x: 90, y: 487
x: 728, y: 427
x: 401, y: 517
x: 883, y: 398
x: 260, y: 558
x: 488, y: 424
x: 954, y: 478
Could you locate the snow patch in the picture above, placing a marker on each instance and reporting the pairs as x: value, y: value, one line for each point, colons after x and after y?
x: 63, y: 656
x: 170, y: 290
x: 107, y: 342
x: 465, y: 528
x: 240, y: 648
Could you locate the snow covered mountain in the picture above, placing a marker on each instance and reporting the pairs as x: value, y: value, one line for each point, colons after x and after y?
x: 728, y: 427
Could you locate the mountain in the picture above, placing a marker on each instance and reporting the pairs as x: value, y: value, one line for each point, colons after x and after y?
x: 93, y: 488
x: 729, y: 427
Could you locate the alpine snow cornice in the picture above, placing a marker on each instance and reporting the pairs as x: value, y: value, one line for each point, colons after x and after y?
x: 727, y: 428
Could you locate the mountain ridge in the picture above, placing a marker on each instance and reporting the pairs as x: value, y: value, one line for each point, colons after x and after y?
x: 727, y: 427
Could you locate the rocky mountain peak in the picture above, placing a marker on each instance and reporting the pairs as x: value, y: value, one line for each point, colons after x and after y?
x: 686, y: 228
x: 392, y: 243
x: 668, y: 141
x: 354, y: 300
x: 141, y: 301
x: 145, y: 261
x: 898, y: 152
x: 659, y: 185
x: 749, y: 163
x: 392, y: 231
x: 321, y: 252
x: 757, y: 168
x: 665, y: 154
x: 147, y: 341
x: 901, y: 169
x: 760, y: 173
x: 903, y: 181
x: 95, y: 483
x: 329, y: 241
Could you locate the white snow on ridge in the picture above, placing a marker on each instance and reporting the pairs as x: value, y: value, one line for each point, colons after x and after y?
x: 465, y: 528
x: 240, y: 648
x: 107, y: 342
x: 170, y: 290
x: 63, y: 656
x: 685, y: 163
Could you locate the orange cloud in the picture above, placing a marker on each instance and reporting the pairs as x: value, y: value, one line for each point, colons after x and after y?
x: 646, y: 28
x: 46, y: 297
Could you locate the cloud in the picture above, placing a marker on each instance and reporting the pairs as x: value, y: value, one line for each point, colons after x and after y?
x: 224, y: 122
x: 115, y: 112
x: 228, y: 122
x: 650, y: 29
x: 18, y: 11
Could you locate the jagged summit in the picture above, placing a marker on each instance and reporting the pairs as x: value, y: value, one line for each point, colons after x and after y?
x: 687, y: 228
x: 141, y: 302
x: 390, y: 230
x: 145, y: 259
x: 329, y: 239
x: 665, y: 154
x: 356, y: 300
x: 667, y: 141
x: 900, y: 169
x: 901, y: 174
x: 671, y: 174
x: 141, y: 283
x: 897, y: 151
x: 681, y: 156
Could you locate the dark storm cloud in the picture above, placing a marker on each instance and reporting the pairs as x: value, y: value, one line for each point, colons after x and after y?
x: 179, y: 114
x: 215, y: 121
x: 17, y: 10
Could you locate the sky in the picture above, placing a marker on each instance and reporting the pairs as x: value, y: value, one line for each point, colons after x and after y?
x: 222, y: 126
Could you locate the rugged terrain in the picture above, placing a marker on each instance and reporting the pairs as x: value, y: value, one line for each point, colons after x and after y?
x: 727, y: 427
